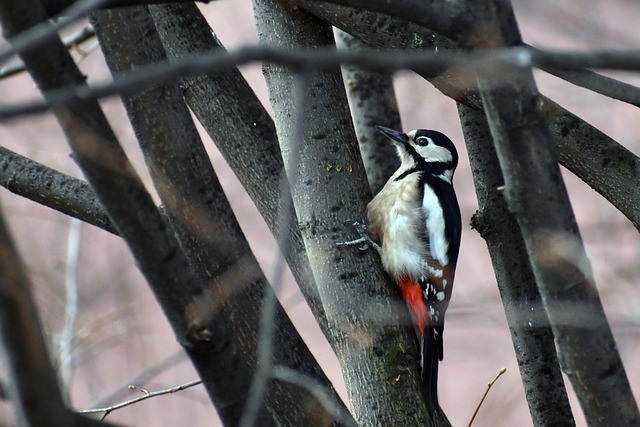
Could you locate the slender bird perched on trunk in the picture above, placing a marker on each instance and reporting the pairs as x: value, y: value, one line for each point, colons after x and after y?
x: 415, y: 224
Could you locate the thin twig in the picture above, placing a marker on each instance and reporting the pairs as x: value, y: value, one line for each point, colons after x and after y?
x: 71, y: 41
x: 157, y: 74
x: 71, y: 306
x: 143, y: 377
x: 42, y: 31
x: 267, y: 315
x: 473, y: 417
x: 146, y: 395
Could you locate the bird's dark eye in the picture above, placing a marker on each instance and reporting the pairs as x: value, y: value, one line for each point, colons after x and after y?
x: 423, y: 141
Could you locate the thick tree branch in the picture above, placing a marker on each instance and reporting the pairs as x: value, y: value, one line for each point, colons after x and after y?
x: 315, y: 131
x: 528, y: 322
x: 121, y: 192
x: 206, y: 227
x: 211, y: 96
x: 588, y: 353
x: 103, y: 162
x: 598, y: 160
x: 185, y: 183
x: 64, y: 193
x: 445, y: 17
x: 44, y: 30
x: 373, y: 102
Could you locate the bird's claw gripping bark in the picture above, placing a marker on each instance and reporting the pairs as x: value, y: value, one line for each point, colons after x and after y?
x: 364, y: 240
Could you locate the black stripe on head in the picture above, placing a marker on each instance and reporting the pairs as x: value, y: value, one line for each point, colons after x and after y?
x: 433, y: 168
x: 440, y: 139
x: 420, y: 165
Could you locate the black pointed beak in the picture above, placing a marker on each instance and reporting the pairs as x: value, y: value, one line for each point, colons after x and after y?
x: 393, y: 134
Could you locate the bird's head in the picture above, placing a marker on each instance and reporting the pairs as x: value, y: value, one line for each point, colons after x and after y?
x: 423, y: 146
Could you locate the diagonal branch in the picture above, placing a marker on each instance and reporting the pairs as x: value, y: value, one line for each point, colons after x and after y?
x: 373, y: 102
x: 315, y: 130
x: 64, y: 193
x: 184, y: 31
x: 581, y: 148
x: 234, y: 289
x: 587, y: 349
x: 189, y: 190
x: 121, y: 192
x: 528, y: 322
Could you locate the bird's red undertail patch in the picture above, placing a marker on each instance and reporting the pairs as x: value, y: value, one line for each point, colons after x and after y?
x: 412, y: 294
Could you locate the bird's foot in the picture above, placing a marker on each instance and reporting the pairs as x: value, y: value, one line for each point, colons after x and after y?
x: 364, y: 240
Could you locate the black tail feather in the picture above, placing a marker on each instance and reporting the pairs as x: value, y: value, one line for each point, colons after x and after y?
x: 431, y: 356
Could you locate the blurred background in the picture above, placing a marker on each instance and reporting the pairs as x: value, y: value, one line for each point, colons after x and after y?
x: 120, y: 337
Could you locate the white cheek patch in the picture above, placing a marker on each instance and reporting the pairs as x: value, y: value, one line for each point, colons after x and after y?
x: 434, y: 153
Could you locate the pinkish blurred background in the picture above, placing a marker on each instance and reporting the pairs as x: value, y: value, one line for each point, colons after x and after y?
x: 121, y: 334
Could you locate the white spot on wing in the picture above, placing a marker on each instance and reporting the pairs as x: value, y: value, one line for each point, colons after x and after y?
x: 447, y: 176
x: 433, y: 153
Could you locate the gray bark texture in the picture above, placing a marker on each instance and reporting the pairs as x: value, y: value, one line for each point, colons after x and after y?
x: 378, y: 356
x: 592, y: 148
x: 119, y: 190
x: 233, y: 285
x: 243, y: 131
x: 199, y: 265
x: 528, y: 322
x: 598, y: 160
x: 586, y: 347
x: 373, y: 102
x: 66, y: 194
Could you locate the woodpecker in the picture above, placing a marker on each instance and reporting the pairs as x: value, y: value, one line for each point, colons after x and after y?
x: 415, y: 224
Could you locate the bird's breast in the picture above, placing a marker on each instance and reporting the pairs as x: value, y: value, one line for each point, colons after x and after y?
x: 396, y: 219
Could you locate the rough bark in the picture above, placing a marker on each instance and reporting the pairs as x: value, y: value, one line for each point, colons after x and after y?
x: 131, y: 209
x: 373, y: 102
x: 586, y: 347
x: 598, y: 160
x: 379, y: 31
x: 173, y: 154
x: 528, y: 322
x: 66, y: 194
x: 233, y: 284
x: 377, y: 355
x: 243, y: 131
